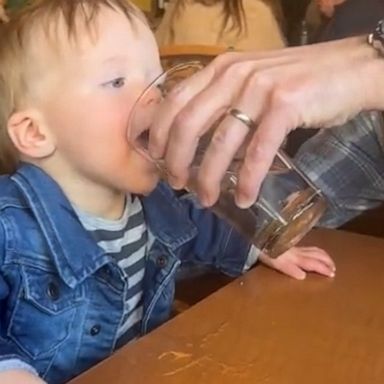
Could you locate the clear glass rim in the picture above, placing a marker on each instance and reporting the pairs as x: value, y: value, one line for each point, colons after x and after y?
x: 177, y: 67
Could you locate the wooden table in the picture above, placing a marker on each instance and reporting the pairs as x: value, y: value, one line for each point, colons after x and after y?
x: 265, y: 328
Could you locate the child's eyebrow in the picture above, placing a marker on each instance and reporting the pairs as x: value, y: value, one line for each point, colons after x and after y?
x: 114, y: 60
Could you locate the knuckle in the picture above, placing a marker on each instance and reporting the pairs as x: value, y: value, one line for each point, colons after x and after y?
x: 175, y: 96
x: 281, y: 97
x: 256, y: 153
x: 236, y: 70
x: 228, y: 74
x: 221, y: 60
x: 183, y: 124
x: 259, y: 81
x: 220, y: 139
x: 225, y: 59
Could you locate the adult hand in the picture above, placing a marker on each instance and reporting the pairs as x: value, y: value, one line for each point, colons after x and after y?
x: 312, y: 86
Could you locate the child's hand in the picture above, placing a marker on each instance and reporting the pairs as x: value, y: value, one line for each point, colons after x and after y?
x: 19, y: 377
x: 327, y: 7
x: 298, y: 260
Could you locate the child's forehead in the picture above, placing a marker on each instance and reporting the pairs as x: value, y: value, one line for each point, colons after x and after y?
x: 106, y: 34
x: 79, y: 29
x: 113, y: 44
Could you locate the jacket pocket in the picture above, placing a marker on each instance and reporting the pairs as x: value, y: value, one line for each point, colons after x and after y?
x: 44, y: 312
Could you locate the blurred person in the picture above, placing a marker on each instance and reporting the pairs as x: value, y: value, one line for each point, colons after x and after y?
x: 235, y: 24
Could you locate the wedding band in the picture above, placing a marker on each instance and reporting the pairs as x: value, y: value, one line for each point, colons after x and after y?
x: 241, y: 116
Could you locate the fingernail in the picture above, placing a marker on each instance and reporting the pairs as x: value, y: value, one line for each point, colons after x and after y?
x: 332, y: 274
x: 175, y: 183
x: 303, y: 276
x: 243, y: 201
x: 205, y: 201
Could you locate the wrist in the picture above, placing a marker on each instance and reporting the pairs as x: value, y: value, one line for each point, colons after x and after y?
x: 367, y: 68
x: 372, y: 70
x: 373, y: 84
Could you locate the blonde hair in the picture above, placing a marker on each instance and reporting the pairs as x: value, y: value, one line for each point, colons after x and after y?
x: 16, y: 39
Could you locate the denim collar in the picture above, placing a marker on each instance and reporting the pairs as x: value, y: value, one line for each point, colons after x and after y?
x: 74, y: 252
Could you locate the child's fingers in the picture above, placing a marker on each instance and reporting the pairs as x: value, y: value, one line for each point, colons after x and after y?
x: 319, y: 254
x: 291, y: 270
x: 298, y: 260
x: 314, y: 265
x: 284, y: 265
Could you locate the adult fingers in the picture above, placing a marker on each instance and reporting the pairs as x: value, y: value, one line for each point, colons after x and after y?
x: 274, y: 126
x: 193, y: 106
x: 179, y: 96
x: 230, y: 135
x: 197, y: 117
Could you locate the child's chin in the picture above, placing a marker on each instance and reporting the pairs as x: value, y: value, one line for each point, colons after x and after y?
x: 149, y: 185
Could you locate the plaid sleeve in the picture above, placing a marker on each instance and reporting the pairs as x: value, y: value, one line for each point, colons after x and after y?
x: 347, y: 164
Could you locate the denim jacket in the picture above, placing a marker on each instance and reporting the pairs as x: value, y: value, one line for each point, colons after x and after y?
x: 61, y: 296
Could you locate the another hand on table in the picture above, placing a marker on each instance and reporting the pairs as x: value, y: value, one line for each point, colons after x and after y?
x: 297, y: 261
x: 19, y: 377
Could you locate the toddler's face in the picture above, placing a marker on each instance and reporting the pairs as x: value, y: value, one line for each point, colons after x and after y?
x: 87, y: 94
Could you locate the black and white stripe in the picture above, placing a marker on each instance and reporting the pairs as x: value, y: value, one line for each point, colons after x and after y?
x: 125, y: 240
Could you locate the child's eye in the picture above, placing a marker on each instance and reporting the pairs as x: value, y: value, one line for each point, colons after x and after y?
x: 116, y: 83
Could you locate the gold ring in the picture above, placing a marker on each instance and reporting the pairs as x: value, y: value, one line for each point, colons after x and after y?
x: 241, y: 116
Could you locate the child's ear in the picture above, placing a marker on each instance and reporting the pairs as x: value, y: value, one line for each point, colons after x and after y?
x: 30, y: 135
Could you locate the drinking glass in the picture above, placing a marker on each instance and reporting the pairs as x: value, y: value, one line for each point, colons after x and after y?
x: 288, y: 205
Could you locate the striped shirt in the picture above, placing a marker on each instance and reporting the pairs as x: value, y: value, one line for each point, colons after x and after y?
x: 126, y: 241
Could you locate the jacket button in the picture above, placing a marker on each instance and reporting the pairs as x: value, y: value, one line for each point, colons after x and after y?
x: 161, y: 261
x: 95, y: 330
x: 53, y: 291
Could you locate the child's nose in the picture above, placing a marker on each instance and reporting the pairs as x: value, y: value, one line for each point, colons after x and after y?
x: 142, y: 116
x: 154, y: 96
